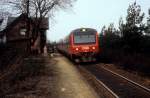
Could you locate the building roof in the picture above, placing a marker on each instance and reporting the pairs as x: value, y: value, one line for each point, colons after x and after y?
x: 1, y: 20
x: 44, y: 23
x: 10, y: 21
x: 3, y: 23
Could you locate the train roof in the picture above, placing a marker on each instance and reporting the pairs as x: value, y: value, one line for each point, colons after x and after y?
x: 84, y: 29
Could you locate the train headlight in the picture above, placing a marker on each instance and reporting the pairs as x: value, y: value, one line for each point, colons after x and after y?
x: 77, y: 49
x: 93, y: 48
x: 83, y: 30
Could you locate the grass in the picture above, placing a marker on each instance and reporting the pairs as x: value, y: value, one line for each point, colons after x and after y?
x: 135, y: 62
x: 29, y: 69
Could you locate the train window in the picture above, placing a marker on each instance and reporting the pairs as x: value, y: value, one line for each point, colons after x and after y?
x: 84, y: 38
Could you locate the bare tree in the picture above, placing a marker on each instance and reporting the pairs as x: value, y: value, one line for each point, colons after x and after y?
x: 4, y: 9
x: 39, y: 9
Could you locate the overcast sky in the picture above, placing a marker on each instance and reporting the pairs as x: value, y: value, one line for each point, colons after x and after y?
x: 90, y: 13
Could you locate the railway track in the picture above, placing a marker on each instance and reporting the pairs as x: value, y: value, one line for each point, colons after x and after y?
x: 102, y: 90
x: 116, y: 85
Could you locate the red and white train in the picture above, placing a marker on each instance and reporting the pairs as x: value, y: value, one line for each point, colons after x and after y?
x: 81, y: 45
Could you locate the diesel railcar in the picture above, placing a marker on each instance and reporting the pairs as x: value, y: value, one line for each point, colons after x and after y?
x: 81, y: 45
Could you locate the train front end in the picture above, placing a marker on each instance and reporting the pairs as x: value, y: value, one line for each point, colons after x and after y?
x: 84, y: 45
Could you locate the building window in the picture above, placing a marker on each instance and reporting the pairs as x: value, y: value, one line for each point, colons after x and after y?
x: 23, y: 31
x: 3, y: 39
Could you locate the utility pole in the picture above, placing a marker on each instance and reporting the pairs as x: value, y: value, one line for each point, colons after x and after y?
x: 148, y: 21
x: 28, y: 26
x: 28, y: 8
x: 28, y: 19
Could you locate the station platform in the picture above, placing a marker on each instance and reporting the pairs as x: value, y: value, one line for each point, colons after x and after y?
x: 61, y: 79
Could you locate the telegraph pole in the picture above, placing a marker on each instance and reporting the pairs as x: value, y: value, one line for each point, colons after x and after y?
x: 28, y: 26
x: 148, y: 21
x: 28, y: 20
x: 28, y: 8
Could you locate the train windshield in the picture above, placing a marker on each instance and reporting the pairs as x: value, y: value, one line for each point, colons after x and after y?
x: 86, y: 37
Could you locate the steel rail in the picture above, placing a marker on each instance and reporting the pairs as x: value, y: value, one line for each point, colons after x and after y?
x: 100, y: 82
x: 145, y: 88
